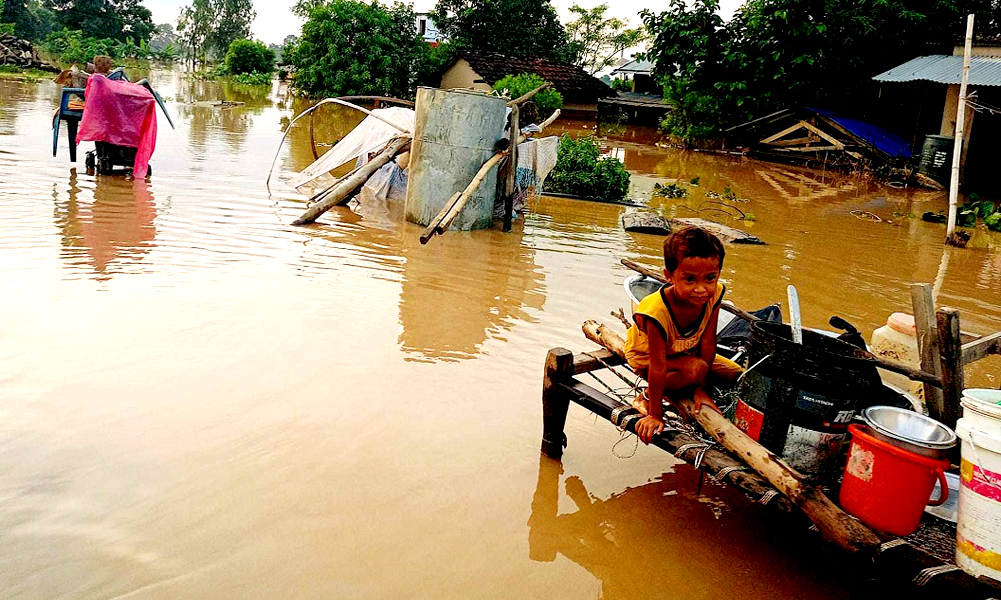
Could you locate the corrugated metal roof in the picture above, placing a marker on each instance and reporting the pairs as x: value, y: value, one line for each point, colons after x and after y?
x: 635, y: 66
x: 984, y: 70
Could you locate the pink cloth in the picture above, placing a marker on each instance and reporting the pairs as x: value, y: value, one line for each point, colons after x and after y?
x: 120, y: 113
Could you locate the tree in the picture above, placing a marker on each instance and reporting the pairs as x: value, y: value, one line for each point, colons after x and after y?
x: 232, y: 22
x: 163, y: 36
x: 350, y: 47
x: 30, y: 18
x: 595, y: 40
x: 115, y: 19
x: 194, y: 26
x: 528, y: 28
x: 249, y: 56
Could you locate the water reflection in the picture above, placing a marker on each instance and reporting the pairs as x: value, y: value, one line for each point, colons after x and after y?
x: 475, y: 286
x: 664, y: 539
x: 114, y: 230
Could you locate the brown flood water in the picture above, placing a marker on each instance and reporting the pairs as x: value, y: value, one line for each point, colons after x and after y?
x: 201, y: 401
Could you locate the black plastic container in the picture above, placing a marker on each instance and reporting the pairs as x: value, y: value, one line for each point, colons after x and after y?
x: 797, y: 400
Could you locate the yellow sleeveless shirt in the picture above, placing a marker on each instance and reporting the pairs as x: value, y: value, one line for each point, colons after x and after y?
x: 656, y: 308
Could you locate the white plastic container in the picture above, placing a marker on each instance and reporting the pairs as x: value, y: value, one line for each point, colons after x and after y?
x: 978, y: 520
x: 897, y: 341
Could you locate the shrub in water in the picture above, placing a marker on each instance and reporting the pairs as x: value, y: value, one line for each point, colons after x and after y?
x: 248, y: 56
x: 580, y: 170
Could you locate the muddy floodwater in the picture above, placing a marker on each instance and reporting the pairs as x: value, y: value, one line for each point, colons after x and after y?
x: 198, y: 400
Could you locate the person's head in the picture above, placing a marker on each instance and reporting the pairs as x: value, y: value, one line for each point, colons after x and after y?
x: 693, y: 258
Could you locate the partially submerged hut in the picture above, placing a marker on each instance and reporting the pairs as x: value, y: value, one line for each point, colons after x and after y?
x: 914, y: 91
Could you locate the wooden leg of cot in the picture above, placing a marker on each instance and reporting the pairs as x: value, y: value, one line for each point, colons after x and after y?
x: 559, y: 365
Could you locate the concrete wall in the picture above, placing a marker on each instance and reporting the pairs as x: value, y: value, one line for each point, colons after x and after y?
x: 462, y: 75
x: 978, y: 51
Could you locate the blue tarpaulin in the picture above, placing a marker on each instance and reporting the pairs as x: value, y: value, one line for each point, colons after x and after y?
x: 883, y: 140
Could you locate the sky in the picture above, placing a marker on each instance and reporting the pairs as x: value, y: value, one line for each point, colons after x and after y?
x: 275, y: 21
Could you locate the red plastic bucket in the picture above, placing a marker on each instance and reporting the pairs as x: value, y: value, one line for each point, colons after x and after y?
x: 887, y: 487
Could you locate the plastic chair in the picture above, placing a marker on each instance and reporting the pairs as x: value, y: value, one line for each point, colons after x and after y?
x: 72, y: 118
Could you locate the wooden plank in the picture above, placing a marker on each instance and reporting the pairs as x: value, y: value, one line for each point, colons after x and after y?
x: 826, y: 136
x: 985, y: 346
x: 924, y: 322
x: 594, y: 360
x: 810, y: 149
x: 951, y: 356
x: 793, y: 142
x: 783, y: 133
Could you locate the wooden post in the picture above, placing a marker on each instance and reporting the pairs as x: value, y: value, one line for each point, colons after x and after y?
x: 924, y: 322
x: 834, y: 524
x: 960, y: 131
x: 512, y: 170
x: 559, y: 365
x: 951, y: 353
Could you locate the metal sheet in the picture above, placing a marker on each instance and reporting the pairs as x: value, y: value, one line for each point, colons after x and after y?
x: 939, y: 68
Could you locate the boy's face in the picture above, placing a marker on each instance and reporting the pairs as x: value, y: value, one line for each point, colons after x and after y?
x: 695, y: 279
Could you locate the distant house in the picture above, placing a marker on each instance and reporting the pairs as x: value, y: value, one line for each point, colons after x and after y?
x: 427, y: 29
x: 641, y: 73
x: 915, y: 91
x: 480, y: 70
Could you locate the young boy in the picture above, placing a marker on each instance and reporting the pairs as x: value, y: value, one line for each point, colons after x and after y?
x: 673, y: 342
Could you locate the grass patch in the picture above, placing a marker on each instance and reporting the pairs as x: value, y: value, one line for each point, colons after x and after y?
x: 13, y: 73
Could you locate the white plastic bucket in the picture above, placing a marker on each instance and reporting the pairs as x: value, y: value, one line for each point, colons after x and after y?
x: 978, y: 525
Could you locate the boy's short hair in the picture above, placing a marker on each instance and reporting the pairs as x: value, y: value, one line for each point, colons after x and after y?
x: 690, y: 242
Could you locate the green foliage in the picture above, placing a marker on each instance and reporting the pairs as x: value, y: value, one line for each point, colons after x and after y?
x: 249, y: 56
x: 671, y: 190
x: 512, y: 27
x: 543, y: 103
x: 595, y: 41
x: 232, y: 19
x: 580, y: 170
x: 253, y: 78
x: 349, y: 47
x: 117, y: 19
x: 622, y: 85
x: 74, y: 47
x: 783, y: 53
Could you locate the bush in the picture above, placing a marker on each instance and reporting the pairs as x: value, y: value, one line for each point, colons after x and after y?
x: 581, y: 171
x: 253, y: 78
x: 70, y: 46
x: 249, y: 56
x: 622, y: 85
x: 540, y: 106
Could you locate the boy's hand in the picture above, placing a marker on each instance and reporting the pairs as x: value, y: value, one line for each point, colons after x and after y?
x: 647, y: 427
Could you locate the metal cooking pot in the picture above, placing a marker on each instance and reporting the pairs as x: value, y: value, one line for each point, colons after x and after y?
x: 910, y: 430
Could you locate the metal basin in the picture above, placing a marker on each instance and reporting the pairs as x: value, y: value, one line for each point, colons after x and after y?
x: 910, y: 430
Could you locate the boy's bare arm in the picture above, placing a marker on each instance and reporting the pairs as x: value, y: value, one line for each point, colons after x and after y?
x: 707, y: 345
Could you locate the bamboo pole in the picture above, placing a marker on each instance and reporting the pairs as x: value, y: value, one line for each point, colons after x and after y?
x: 835, y: 525
x: 429, y: 231
x: 439, y: 226
x: 928, y: 346
x: 960, y: 131
x: 344, y: 187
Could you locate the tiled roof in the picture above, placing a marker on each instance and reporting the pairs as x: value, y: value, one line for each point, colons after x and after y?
x: 984, y: 70
x: 572, y: 82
